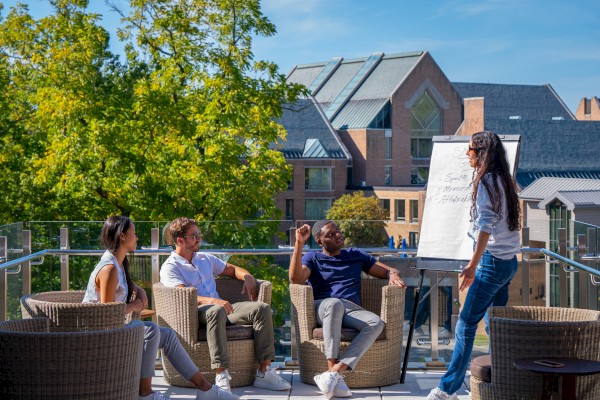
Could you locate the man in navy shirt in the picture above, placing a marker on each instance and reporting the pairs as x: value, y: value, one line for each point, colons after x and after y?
x: 335, y: 276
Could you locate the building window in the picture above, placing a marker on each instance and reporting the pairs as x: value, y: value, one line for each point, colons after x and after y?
x: 419, y: 175
x: 385, y: 204
x: 400, y: 210
x: 289, y: 209
x: 317, y: 179
x: 413, y: 240
x: 315, y: 209
x: 560, y: 217
x: 414, y: 210
x: 387, y: 180
x: 291, y: 183
x: 388, y: 144
x: 587, y: 106
x: 426, y: 122
x: 382, y: 120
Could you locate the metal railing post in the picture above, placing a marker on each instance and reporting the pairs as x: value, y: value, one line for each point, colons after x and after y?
x: 525, y: 289
x: 64, y: 259
x: 562, y: 274
x: 582, y: 279
x: 26, y: 266
x: 154, y: 244
x: 3, y: 280
x: 592, y: 250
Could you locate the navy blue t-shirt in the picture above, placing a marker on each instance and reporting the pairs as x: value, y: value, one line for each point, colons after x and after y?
x: 337, y: 276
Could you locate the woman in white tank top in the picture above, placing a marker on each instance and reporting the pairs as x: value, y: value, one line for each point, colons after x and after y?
x: 110, y: 282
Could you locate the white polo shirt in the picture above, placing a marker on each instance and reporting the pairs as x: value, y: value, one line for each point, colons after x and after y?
x: 200, y: 273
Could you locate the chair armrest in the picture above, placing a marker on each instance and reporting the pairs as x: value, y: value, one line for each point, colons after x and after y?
x: 177, y: 308
x: 265, y: 291
x: 392, y: 308
x: 303, y: 307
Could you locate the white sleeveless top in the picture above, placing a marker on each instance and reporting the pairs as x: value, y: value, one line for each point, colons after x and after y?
x: 92, y: 293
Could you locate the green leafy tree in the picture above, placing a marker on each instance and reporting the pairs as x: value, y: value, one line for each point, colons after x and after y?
x: 362, y: 219
x: 185, y: 127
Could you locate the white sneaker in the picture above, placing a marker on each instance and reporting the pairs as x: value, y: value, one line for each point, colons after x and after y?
x: 419, y: 331
x: 270, y: 380
x: 326, y: 382
x: 444, y: 334
x: 154, y: 396
x: 222, y: 380
x: 341, y: 389
x: 439, y: 394
x: 215, y: 393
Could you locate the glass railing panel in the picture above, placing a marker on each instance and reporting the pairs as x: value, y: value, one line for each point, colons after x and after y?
x: 14, y: 276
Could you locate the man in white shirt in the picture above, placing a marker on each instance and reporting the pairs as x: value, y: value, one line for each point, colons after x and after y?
x: 186, y: 267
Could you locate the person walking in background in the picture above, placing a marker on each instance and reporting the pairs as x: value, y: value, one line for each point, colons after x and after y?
x: 335, y: 276
x: 110, y: 282
x: 187, y: 267
x: 495, y: 222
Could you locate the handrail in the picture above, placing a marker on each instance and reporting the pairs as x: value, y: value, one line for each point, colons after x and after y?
x: 565, y: 260
x: 166, y: 251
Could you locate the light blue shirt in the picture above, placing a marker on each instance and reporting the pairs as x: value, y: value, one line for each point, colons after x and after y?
x: 200, y: 273
x: 503, y: 243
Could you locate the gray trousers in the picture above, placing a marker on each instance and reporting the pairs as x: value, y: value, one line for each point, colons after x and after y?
x: 334, y: 313
x: 155, y: 338
x: 253, y: 313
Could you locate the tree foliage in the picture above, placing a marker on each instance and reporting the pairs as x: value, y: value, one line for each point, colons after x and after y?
x: 362, y: 219
x: 185, y: 126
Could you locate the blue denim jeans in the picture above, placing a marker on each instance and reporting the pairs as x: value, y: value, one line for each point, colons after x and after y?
x: 490, y: 288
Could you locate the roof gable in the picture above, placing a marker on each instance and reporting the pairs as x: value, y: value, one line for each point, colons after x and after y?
x: 574, y: 199
x: 309, y: 133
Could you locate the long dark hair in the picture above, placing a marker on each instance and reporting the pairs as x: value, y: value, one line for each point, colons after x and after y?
x: 111, y: 240
x: 491, y: 159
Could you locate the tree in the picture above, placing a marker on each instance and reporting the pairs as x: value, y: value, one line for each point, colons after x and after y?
x: 185, y: 127
x: 362, y: 219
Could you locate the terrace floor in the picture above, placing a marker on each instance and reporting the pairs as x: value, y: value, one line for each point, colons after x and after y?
x: 420, y: 379
x: 417, y: 386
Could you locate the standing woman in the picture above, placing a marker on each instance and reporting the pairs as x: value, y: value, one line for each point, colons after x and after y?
x: 495, y: 222
x: 110, y: 282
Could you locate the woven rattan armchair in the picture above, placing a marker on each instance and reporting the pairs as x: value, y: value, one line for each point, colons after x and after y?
x: 177, y: 308
x: 380, y: 365
x: 38, y: 364
x: 517, y: 332
x: 67, y: 313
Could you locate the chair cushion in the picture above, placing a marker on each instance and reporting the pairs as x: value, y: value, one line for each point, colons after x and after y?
x: 481, y: 368
x: 348, y: 334
x: 234, y: 332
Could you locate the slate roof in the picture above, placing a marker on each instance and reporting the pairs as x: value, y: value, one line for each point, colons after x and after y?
x: 369, y: 97
x: 546, y: 186
x: 309, y: 134
x: 530, y: 102
x: 553, y: 148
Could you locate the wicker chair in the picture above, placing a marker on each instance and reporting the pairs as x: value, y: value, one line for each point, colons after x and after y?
x: 517, y: 332
x: 177, y: 308
x: 67, y: 313
x: 380, y: 365
x: 38, y: 364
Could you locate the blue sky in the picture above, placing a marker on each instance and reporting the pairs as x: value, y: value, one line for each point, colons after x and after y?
x: 496, y: 41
